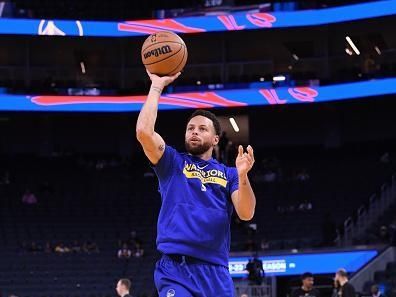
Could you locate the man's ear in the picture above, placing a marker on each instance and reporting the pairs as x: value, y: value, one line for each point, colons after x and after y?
x: 216, y: 140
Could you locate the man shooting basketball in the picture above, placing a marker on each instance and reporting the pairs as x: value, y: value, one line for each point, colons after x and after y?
x: 198, y: 195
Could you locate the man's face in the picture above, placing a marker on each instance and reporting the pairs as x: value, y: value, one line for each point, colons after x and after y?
x: 308, y: 282
x: 120, y: 289
x: 200, y: 135
x: 374, y: 290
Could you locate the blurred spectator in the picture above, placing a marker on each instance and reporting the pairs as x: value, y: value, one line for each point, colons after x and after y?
x: 302, y: 190
x: 336, y: 288
x: 386, y: 164
x: 275, y: 165
x: 303, y: 175
x: 139, y: 251
x: 90, y: 247
x: 134, y: 239
x: 346, y: 289
x: 29, y: 198
x: 305, y: 205
x: 369, y: 66
x: 264, y: 244
x: 283, y: 209
x: 256, y: 271
x: 383, y: 235
x: 385, y: 158
x: 76, y: 247
x: 23, y: 247
x: 392, y: 232
x: 123, y: 287
x: 113, y: 163
x: 269, y: 176
x: 100, y: 165
x: 124, y: 252
x: 307, y: 288
x: 375, y: 292
x: 34, y: 248
x: 61, y: 249
x: 269, y: 170
x: 48, y: 248
x: 251, y: 244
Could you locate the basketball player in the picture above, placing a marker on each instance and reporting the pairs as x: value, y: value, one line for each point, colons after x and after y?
x: 198, y: 195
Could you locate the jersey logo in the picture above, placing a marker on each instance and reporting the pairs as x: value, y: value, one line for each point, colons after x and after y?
x: 171, y: 293
x: 203, y: 167
x: 210, y: 176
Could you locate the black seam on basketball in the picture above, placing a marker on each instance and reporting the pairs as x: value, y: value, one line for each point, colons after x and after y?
x: 166, y: 57
x: 143, y: 49
x: 181, y: 40
x: 181, y: 61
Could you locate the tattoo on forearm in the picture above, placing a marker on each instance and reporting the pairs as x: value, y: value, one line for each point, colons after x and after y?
x: 161, y: 147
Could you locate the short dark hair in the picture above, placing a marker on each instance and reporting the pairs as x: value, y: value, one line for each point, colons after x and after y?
x: 306, y: 275
x: 126, y: 282
x: 211, y: 116
x: 342, y: 272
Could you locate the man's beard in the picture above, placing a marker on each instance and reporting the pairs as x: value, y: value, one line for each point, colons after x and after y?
x: 197, y: 150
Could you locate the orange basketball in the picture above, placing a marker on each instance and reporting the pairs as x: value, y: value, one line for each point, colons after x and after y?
x: 164, y: 53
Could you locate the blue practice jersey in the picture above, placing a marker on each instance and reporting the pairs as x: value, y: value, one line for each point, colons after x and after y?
x: 196, y: 206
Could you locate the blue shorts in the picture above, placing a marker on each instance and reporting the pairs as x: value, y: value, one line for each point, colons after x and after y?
x: 199, y: 279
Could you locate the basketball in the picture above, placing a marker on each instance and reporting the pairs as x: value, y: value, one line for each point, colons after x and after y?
x: 164, y: 53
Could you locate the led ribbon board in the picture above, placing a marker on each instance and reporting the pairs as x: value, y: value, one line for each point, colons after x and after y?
x: 297, y: 264
x: 198, y: 24
x: 209, y: 99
